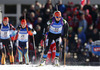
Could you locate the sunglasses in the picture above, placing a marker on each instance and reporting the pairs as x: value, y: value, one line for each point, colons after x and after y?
x: 58, y: 17
x: 5, y: 22
x: 23, y: 23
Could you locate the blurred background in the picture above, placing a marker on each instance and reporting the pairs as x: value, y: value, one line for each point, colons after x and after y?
x: 83, y: 17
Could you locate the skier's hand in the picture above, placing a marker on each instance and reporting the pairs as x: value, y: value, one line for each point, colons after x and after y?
x: 34, y: 32
x: 12, y: 27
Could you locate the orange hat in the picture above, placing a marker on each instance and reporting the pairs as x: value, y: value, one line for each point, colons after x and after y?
x: 6, y: 19
x: 23, y: 21
x: 57, y: 14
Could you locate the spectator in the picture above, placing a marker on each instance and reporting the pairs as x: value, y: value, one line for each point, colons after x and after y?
x: 88, y: 6
x: 39, y: 22
x: 38, y: 36
x: 32, y: 9
x: 88, y: 47
x: 37, y: 13
x: 93, y: 58
x: 95, y: 35
x: 75, y: 19
x: 32, y: 18
x: 97, y: 25
x: 79, y: 45
x: 71, y: 40
x: 51, y: 9
x: 37, y: 5
x: 70, y: 22
x: 65, y: 15
x: 79, y: 50
x: 88, y: 17
x: 89, y: 32
x: 61, y: 7
x: 94, y: 14
x: 47, y: 5
x: 83, y: 23
x: 81, y: 35
x: 46, y: 16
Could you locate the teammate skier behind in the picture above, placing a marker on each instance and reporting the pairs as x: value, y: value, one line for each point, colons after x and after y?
x: 5, y: 39
x: 22, y: 42
x: 57, y: 27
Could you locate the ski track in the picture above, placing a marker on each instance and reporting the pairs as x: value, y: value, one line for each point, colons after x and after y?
x: 47, y: 67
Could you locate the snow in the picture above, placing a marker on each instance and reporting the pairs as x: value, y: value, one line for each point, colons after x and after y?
x: 47, y: 67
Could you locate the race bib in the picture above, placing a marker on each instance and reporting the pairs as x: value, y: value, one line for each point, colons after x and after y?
x: 23, y: 37
x: 4, y: 34
x: 55, y: 29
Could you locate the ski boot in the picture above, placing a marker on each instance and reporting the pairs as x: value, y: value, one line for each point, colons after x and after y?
x: 11, y: 59
x: 56, y: 63
x: 3, y: 59
x: 43, y: 62
x: 20, y: 62
x: 27, y: 63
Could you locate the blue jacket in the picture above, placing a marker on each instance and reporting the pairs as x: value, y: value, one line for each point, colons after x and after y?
x: 82, y: 36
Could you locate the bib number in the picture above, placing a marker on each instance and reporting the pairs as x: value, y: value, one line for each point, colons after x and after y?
x: 22, y: 37
x: 56, y: 29
x: 4, y: 34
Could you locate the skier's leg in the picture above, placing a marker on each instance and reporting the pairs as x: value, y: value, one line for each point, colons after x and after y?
x: 26, y: 54
x: 48, y: 56
x: 57, y: 51
x: 10, y: 46
x: 3, y: 55
x: 45, y: 52
x: 3, y: 50
x: 53, y: 52
x: 20, y: 53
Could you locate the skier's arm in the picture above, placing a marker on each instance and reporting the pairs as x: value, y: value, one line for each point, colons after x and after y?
x: 65, y: 34
x: 46, y: 28
x: 65, y: 26
x: 31, y: 31
x: 12, y: 27
x: 12, y: 30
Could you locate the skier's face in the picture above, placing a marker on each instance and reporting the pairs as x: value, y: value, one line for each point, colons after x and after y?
x: 57, y: 15
x: 57, y: 18
x: 23, y: 25
x: 5, y: 22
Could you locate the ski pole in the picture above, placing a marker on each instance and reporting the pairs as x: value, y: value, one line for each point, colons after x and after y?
x: 43, y: 46
x: 64, y: 51
x: 34, y: 46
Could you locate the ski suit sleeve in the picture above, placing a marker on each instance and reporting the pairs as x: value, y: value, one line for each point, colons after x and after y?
x: 48, y: 25
x: 65, y: 28
x: 46, y: 28
x: 31, y: 31
x: 12, y: 27
x: 0, y: 26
